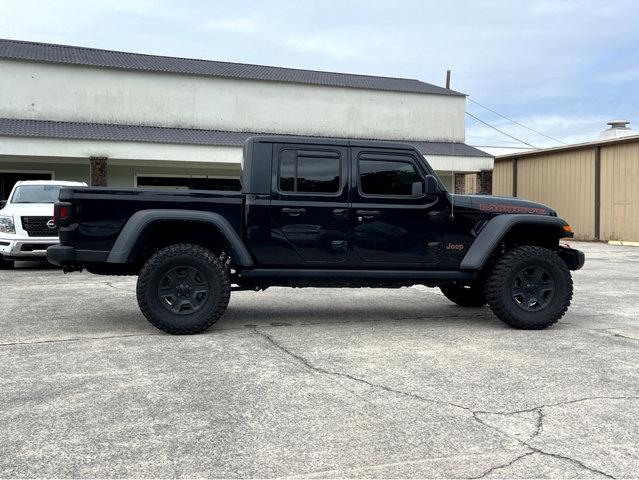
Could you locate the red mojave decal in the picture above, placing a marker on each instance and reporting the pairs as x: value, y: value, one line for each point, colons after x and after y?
x: 501, y: 208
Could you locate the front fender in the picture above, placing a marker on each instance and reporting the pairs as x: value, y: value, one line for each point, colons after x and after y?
x: 497, y: 228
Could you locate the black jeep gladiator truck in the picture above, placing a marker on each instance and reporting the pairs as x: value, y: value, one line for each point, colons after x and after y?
x: 320, y: 213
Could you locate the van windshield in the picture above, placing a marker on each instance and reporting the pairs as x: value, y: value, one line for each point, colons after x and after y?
x: 36, y: 194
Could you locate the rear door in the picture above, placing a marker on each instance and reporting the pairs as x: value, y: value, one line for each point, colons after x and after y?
x: 309, y: 204
x: 390, y: 225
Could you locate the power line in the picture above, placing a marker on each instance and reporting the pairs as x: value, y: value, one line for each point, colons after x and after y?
x: 500, y: 131
x: 516, y: 122
x: 499, y: 146
x: 505, y: 143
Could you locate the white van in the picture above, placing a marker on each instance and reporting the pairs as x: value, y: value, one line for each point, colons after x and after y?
x: 26, y: 220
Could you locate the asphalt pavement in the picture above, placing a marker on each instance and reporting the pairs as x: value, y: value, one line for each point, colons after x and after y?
x: 319, y: 383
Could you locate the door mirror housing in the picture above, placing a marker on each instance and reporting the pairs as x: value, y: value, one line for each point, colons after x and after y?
x: 432, y: 186
x: 418, y: 189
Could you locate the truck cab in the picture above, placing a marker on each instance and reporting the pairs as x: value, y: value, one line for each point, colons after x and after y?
x: 375, y: 205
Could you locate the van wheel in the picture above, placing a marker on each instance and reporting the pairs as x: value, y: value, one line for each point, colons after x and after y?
x: 6, y: 264
x: 465, y: 296
x: 529, y: 288
x: 183, y: 289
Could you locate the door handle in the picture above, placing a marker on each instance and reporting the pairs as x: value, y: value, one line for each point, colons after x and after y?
x: 367, y: 215
x: 340, y: 212
x: 294, y: 212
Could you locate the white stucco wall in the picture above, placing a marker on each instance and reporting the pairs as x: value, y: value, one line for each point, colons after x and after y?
x: 450, y: 163
x: 75, y: 93
x: 125, y: 153
x: 114, y: 151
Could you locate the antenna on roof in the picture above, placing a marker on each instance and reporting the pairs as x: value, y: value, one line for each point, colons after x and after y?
x: 448, y: 79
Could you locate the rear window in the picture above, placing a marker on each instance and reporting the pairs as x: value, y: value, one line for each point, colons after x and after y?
x: 305, y: 172
x: 36, y: 194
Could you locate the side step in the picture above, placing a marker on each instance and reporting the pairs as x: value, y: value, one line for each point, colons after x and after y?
x: 398, y: 275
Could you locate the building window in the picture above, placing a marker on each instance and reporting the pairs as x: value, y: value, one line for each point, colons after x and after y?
x: 304, y: 172
x: 8, y: 179
x: 385, y: 177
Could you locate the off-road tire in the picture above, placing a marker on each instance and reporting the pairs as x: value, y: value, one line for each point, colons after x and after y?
x: 183, y: 255
x: 465, y: 296
x: 6, y: 264
x: 501, y: 282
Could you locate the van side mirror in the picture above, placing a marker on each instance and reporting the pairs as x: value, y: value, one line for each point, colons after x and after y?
x: 418, y: 189
x: 431, y: 187
x: 3, y: 203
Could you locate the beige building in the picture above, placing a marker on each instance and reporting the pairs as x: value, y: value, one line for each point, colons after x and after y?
x: 70, y: 112
x: 594, y: 186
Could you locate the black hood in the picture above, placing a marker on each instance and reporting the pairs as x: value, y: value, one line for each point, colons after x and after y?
x: 498, y: 205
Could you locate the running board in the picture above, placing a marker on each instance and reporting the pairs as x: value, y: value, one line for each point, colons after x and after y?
x: 398, y: 275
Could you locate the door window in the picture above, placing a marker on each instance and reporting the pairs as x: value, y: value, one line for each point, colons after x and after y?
x: 387, y: 177
x: 309, y: 172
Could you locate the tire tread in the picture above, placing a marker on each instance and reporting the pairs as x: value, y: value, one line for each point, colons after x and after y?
x: 495, y: 286
x: 183, y: 249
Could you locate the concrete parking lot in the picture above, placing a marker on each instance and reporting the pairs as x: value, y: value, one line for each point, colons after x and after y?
x: 318, y: 383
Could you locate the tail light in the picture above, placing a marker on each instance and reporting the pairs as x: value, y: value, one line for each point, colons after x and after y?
x: 62, y: 214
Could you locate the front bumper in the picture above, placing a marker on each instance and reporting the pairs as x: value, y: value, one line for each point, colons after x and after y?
x: 23, y: 247
x: 574, y: 259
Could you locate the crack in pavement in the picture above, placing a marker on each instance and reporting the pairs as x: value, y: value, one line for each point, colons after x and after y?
x: 325, y: 371
x: 508, y: 464
x: 539, y: 422
x: 78, y: 339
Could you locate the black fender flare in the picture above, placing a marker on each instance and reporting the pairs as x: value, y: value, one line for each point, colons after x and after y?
x: 496, y: 229
x: 139, y: 221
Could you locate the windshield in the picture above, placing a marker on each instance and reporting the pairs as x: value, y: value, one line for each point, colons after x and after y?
x: 36, y: 194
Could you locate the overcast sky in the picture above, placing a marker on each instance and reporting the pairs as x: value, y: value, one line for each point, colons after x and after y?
x: 561, y: 67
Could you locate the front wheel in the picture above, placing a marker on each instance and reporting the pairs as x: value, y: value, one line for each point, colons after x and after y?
x: 183, y: 289
x: 529, y: 288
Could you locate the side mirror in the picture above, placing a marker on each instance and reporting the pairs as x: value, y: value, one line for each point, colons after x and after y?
x: 418, y: 189
x: 431, y: 187
x: 3, y: 203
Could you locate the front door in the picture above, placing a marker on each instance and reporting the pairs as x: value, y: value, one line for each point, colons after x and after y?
x: 309, y: 204
x: 390, y: 225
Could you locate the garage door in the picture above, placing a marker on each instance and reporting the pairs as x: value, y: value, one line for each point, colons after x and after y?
x: 8, y: 180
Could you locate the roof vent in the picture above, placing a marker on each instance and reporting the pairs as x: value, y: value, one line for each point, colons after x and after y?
x: 618, y: 128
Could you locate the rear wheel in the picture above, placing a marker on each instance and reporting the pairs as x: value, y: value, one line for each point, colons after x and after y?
x: 529, y: 288
x: 183, y: 289
x: 465, y: 296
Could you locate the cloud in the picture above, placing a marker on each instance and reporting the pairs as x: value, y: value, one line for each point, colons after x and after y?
x: 567, y: 66
x: 625, y: 75
x: 323, y: 45
x: 233, y: 25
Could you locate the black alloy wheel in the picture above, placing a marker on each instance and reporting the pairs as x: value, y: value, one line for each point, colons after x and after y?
x: 183, y: 290
x: 533, y: 289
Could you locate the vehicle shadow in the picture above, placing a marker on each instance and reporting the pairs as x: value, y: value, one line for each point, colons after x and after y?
x: 35, y: 265
x: 377, y: 312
